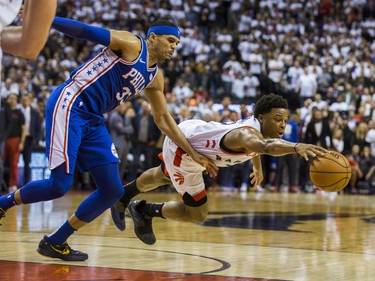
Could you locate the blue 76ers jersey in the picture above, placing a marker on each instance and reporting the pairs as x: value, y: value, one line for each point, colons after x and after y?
x: 75, y: 130
x: 106, y: 80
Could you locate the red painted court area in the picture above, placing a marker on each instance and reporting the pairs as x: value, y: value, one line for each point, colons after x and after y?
x: 11, y: 271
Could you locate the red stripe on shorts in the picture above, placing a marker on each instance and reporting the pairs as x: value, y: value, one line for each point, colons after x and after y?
x: 178, y: 157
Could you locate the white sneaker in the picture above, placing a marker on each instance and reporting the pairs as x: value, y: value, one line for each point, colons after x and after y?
x: 12, y: 189
x: 243, y: 187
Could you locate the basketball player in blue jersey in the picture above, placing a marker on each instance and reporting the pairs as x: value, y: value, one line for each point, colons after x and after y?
x: 226, y: 145
x: 75, y: 132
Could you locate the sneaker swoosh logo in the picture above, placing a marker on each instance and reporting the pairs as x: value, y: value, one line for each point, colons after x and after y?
x: 142, y: 61
x: 63, y: 252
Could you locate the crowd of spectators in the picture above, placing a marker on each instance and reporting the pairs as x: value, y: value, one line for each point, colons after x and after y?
x: 318, y: 54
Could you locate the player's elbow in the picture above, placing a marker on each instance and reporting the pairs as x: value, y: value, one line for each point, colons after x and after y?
x: 161, y: 121
x: 34, y: 53
x: 29, y: 53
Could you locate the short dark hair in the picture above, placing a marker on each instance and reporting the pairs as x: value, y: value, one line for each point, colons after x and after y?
x: 267, y: 102
x: 163, y: 23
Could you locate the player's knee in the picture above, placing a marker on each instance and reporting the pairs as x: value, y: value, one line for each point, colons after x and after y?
x: 198, y: 217
x: 119, y: 192
x: 197, y: 212
x: 58, y: 183
x: 115, y: 191
x: 58, y: 189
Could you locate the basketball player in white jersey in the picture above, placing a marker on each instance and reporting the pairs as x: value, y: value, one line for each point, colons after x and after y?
x: 226, y: 145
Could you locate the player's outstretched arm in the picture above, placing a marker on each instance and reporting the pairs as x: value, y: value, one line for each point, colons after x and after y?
x: 254, y: 141
x: 114, y: 39
x: 29, y: 39
x: 81, y: 30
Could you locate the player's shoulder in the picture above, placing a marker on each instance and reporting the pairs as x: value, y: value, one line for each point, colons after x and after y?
x: 125, y: 40
x: 251, y: 122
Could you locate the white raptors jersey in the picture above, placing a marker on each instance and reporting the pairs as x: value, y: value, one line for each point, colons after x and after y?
x: 8, y: 11
x: 205, y: 137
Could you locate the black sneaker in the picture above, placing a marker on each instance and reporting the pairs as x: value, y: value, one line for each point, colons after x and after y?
x: 142, y: 223
x: 118, y: 215
x: 61, y: 251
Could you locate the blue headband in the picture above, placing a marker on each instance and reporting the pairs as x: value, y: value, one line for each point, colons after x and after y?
x: 164, y: 30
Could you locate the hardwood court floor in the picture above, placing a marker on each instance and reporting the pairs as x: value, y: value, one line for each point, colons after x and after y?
x: 247, y: 236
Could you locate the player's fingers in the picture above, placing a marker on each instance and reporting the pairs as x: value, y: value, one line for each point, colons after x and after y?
x: 211, y: 170
x: 322, y: 151
x: 312, y: 154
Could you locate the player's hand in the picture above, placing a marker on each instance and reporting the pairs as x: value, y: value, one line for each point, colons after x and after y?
x: 305, y: 150
x: 210, y: 166
x: 256, y: 178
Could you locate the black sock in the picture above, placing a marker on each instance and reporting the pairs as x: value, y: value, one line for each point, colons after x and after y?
x: 130, y: 191
x: 152, y: 209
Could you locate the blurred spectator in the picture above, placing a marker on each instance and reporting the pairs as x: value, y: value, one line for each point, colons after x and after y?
x: 251, y: 87
x: 338, y: 140
x: 318, y: 131
x: 354, y: 159
x: 33, y: 127
x: 146, y: 135
x: 184, y: 114
x: 14, y: 141
x: 367, y: 166
x: 182, y: 91
x: 121, y: 131
x: 360, y: 135
x: 290, y: 161
x: 306, y: 85
x: 3, y: 134
x: 8, y: 87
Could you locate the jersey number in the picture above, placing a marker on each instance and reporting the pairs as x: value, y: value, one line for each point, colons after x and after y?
x: 124, y: 95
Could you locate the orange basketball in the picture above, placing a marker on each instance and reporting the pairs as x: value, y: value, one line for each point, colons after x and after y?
x: 331, y: 172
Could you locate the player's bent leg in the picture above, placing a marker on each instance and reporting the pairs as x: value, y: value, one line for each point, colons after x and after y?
x: 193, y: 209
x: 40, y: 190
x: 43, y: 190
x: 197, y: 214
x: 109, y: 190
x: 152, y: 179
x: 190, y: 210
x: 148, y: 180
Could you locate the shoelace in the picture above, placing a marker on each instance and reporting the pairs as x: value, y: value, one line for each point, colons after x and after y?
x: 66, y: 248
